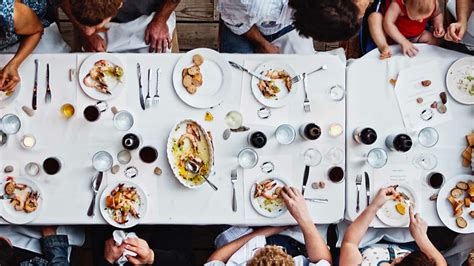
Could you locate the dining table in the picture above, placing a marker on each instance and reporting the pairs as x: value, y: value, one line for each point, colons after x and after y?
x: 65, y: 196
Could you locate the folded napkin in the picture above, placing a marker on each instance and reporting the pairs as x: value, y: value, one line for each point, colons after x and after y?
x: 120, y: 236
x: 294, y: 43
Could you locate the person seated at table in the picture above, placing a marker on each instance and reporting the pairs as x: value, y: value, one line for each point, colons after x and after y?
x: 51, y: 249
x: 164, y: 246
x: 265, y: 246
x: 21, y: 28
x: 140, y: 26
x: 422, y: 253
x: 461, y: 251
x: 257, y: 26
x: 404, y: 22
x: 457, y: 33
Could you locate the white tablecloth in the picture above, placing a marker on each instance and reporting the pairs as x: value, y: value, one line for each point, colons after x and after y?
x: 373, y: 103
x: 67, y: 195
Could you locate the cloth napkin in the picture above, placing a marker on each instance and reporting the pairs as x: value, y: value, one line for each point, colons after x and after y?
x: 120, y: 236
x: 130, y: 37
x: 294, y: 43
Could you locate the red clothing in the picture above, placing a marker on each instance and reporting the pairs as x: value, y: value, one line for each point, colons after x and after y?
x: 409, y: 28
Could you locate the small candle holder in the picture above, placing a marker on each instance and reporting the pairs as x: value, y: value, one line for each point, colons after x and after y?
x: 28, y: 142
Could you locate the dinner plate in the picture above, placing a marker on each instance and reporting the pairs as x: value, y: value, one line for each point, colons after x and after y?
x: 456, y: 80
x: 115, y: 87
x: 445, y: 210
x: 389, y: 215
x: 131, y: 220
x: 216, y: 79
x: 268, y: 210
x: 176, y: 132
x: 283, y: 97
x: 6, y: 100
x: 12, y: 216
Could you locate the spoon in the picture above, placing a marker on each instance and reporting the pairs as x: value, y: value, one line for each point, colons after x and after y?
x: 195, y: 168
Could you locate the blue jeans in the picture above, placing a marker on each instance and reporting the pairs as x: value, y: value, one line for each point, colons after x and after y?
x: 229, y: 42
x: 55, y: 252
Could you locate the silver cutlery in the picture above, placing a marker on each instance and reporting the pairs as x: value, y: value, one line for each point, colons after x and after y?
x: 257, y: 75
x: 233, y: 179
x: 148, y: 97
x: 306, y: 103
x: 358, y: 185
x: 299, y: 77
x: 140, y: 87
x: 407, y: 200
x: 6, y: 197
x: 96, y: 182
x: 367, y: 187
x: 195, y: 168
x: 305, y: 178
x: 156, y: 98
x: 47, y: 97
x: 317, y: 200
x: 35, y: 86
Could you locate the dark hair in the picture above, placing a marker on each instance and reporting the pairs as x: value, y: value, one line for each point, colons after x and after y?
x: 417, y: 258
x: 93, y: 12
x: 326, y: 20
x: 6, y: 252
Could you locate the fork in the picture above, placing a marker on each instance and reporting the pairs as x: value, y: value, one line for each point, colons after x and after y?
x: 299, y: 77
x: 358, y: 185
x: 306, y: 104
x: 233, y: 179
x: 156, y: 98
x: 47, y: 98
x: 148, y: 97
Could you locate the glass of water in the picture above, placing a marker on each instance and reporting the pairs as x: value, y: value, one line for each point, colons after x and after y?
x: 428, y: 137
x: 425, y: 161
x: 312, y: 157
x: 123, y: 120
x: 377, y: 158
x: 337, y: 93
x: 248, y: 158
x: 102, y: 161
x: 335, y: 155
x: 285, y: 134
x: 10, y: 124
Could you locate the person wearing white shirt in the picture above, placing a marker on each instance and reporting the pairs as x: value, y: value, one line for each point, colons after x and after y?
x: 462, y: 31
x: 252, y: 248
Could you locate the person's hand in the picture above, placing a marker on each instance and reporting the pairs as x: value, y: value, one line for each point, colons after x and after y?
x: 270, y: 230
x: 382, y: 196
x: 418, y: 227
x: 145, y: 254
x: 48, y: 231
x: 439, y: 32
x: 268, y: 48
x: 9, y: 78
x: 111, y: 251
x: 93, y: 43
x: 296, y: 204
x: 409, y: 48
x: 385, y: 53
x: 455, y: 32
x: 157, y: 36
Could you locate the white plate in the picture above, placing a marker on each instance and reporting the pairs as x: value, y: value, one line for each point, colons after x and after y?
x: 176, y: 132
x: 20, y: 217
x: 389, y: 215
x: 283, y: 97
x: 6, y: 100
x: 445, y: 211
x: 115, y: 87
x: 257, y: 203
x: 216, y: 79
x: 456, y: 73
x: 131, y: 220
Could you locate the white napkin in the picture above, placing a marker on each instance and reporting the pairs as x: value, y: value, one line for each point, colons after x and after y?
x: 119, y: 236
x: 130, y: 37
x: 294, y: 43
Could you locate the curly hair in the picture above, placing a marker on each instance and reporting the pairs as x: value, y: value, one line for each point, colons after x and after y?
x: 93, y: 12
x: 326, y: 20
x: 416, y: 258
x: 271, y: 255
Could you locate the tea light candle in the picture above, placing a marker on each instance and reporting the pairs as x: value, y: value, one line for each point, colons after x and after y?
x: 28, y: 142
x: 335, y: 130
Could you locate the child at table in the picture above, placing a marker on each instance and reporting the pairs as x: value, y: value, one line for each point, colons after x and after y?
x: 404, y: 22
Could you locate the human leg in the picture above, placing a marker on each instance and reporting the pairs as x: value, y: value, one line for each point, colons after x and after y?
x: 427, y: 37
x: 230, y: 42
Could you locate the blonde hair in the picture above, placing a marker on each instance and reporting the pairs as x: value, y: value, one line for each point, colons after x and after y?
x: 420, y: 7
x: 271, y: 256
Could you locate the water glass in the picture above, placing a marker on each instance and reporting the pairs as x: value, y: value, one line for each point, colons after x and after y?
x: 10, y: 124
x: 285, y: 134
x: 102, y: 161
x: 377, y: 158
x: 428, y: 137
x: 248, y: 158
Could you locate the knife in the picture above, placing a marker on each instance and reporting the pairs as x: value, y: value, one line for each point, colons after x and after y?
x: 47, y: 97
x: 367, y: 187
x: 239, y: 67
x: 35, y: 86
x: 98, y: 182
x: 305, y: 178
x: 140, y: 91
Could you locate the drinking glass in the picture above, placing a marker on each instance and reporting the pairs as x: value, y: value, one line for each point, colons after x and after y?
x: 124, y: 156
x: 285, y: 134
x: 68, y: 110
x: 335, y: 130
x: 123, y: 120
x: 312, y: 157
x: 32, y: 169
x: 428, y: 137
x: 10, y: 124
x: 337, y: 93
x: 335, y: 155
x: 248, y: 158
x: 148, y: 154
x: 92, y: 112
x: 234, y: 120
x: 52, y: 165
x: 377, y: 157
x: 425, y: 161
x: 102, y: 161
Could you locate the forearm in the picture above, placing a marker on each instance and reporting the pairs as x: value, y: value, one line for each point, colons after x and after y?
x: 438, y: 21
x: 463, y: 10
x: 224, y: 253
x: 255, y: 37
x: 164, y: 12
x: 430, y: 250
x: 27, y: 45
x: 393, y: 32
x: 315, y: 245
x: 359, y: 227
x: 67, y: 9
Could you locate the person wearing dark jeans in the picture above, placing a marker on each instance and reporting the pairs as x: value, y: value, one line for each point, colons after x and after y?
x: 155, y: 245
x: 54, y: 247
